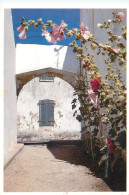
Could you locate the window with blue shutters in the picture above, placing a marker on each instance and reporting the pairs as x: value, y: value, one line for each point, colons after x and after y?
x: 46, y: 113
x: 46, y: 78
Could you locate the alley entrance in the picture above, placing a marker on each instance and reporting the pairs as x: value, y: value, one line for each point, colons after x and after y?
x: 52, y: 168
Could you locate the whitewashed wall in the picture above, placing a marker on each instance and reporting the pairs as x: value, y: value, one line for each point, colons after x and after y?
x: 10, y: 128
x: 65, y: 127
x: 30, y: 57
x: 94, y: 16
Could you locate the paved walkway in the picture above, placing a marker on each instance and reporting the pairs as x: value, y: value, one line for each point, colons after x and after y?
x: 51, y: 169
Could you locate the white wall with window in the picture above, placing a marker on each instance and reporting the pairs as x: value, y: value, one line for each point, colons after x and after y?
x: 44, y: 110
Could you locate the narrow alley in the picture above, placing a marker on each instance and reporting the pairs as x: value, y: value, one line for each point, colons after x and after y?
x: 48, y: 168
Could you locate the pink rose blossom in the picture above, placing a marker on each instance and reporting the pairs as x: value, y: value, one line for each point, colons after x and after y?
x: 95, y: 84
x: 49, y: 37
x: 20, y: 28
x: 84, y: 31
x: 121, y: 16
x: 22, y: 35
x: 110, y: 144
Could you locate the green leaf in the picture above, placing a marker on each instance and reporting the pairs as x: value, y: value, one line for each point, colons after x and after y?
x: 112, y: 132
x: 73, y: 106
x: 75, y: 113
x: 113, y: 111
x: 121, y: 139
x: 113, y: 57
x: 95, y: 131
x: 120, y: 44
x: 74, y: 100
x: 79, y: 118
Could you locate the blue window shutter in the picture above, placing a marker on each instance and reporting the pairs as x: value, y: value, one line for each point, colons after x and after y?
x: 46, y: 113
x: 42, y: 117
x: 50, y: 112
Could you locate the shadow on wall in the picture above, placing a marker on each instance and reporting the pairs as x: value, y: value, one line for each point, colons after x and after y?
x: 70, y: 64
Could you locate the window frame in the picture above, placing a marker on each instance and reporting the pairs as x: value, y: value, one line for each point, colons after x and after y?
x: 46, y: 78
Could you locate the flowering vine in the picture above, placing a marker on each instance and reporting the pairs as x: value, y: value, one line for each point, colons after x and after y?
x: 103, y: 100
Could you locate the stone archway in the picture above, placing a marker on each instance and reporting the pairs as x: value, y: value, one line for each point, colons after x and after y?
x: 23, y: 78
x: 30, y: 93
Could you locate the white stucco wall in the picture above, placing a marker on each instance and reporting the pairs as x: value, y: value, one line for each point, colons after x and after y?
x: 65, y: 127
x: 10, y: 128
x: 94, y: 16
x: 31, y: 57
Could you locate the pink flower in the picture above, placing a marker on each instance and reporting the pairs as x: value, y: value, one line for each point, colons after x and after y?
x: 121, y: 16
x: 63, y: 25
x: 114, y: 50
x: 85, y: 35
x: 20, y: 28
x: 95, y: 84
x: 83, y: 26
x: 56, y: 34
x: 22, y: 35
x: 94, y: 98
x: 58, y: 31
x: 84, y: 31
x: 110, y: 144
x: 122, y: 99
x: 124, y: 91
x: 85, y: 64
x: 90, y: 91
x: 49, y: 37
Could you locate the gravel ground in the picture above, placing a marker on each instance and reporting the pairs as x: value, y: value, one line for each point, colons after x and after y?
x: 40, y: 168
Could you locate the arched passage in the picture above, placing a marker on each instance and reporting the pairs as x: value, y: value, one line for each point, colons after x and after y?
x: 33, y: 96
x: 23, y: 78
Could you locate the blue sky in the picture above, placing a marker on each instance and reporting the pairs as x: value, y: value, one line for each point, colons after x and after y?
x: 70, y: 16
